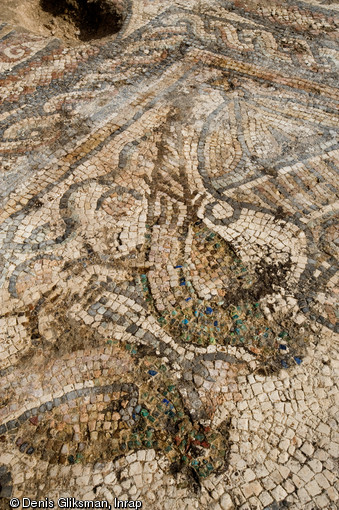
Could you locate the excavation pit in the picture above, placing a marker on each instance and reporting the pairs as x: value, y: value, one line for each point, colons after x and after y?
x: 72, y: 21
x: 84, y: 19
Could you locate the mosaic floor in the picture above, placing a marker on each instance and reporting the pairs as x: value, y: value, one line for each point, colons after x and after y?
x: 168, y: 244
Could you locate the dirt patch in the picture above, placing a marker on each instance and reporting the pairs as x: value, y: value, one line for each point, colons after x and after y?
x: 89, y: 19
x: 70, y: 20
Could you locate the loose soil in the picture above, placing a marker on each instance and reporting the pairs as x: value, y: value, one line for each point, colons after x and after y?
x: 70, y: 20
